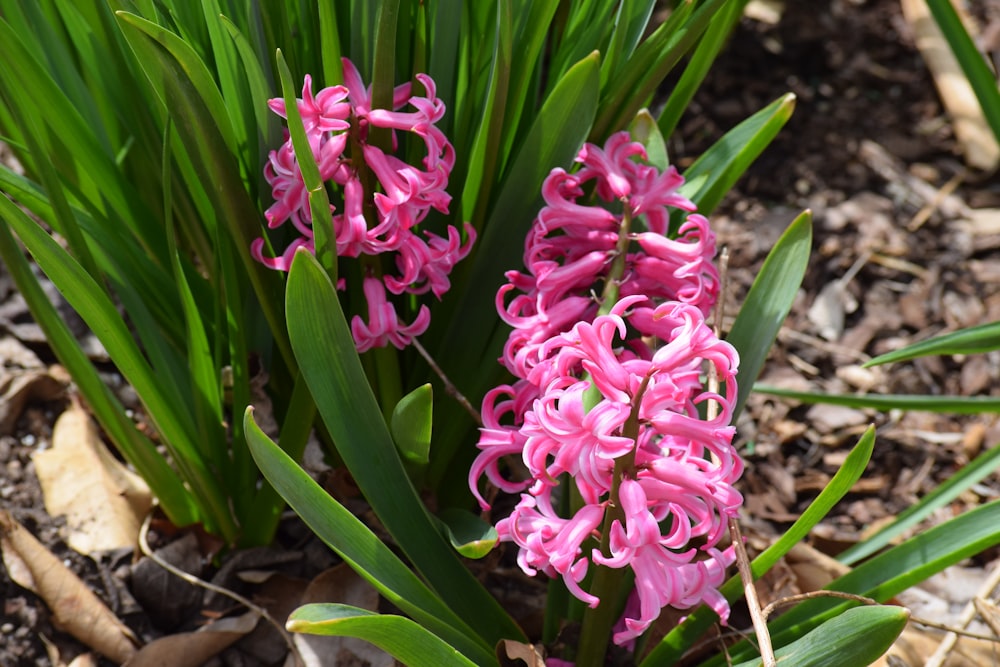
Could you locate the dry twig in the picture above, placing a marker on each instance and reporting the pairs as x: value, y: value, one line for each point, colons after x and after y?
x: 233, y: 595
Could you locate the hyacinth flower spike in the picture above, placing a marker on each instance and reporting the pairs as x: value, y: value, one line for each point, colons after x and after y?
x: 607, y: 392
x: 382, y: 199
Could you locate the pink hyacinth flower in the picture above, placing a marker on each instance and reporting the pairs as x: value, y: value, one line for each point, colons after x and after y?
x: 384, y: 326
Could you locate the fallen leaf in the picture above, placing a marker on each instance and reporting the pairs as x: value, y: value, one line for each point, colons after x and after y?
x: 514, y: 654
x: 192, y: 649
x: 19, y: 386
x: 103, y: 501
x: 75, y: 608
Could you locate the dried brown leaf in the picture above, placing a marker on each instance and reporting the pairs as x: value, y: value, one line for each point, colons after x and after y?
x: 103, y: 501
x: 192, y: 649
x: 74, y: 607
x: 517, y: 654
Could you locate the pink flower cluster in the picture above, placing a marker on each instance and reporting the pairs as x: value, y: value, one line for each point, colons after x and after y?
x: 337, y: 121
x: 610, y: 397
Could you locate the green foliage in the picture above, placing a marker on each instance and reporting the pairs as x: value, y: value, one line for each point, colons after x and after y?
x: 859, y: 637
x: 143, y: 130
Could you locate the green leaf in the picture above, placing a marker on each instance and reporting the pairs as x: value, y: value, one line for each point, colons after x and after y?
x: 411, y: 424
x: 699, y: 64
x: 858, y: 637
x: 890, y: 573
x: 972, y: 473
x: 356, y: 544
x: 139, y: 450
x: 485, y: 159
x: 319, y: 202
x: 167, y: 411
x: 981, y: 78
x: 974, y: 340
x: 681, y: 638
x: 405, y: 640
x: 468, y: 533
x: 717, y: 170
x: 212, y: 159
x: 963, y: 405
x: 767, y: 303
x: 330, y: 365
x: 639, y: 77
x: 194, y: 68
x: 644, y: 130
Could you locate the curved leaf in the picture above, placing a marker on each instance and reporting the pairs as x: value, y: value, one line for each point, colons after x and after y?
x: 405, y: 640
x: 411, y: 424
x: 714, y: 173
x: 355, y: 543
x: 972, y: 473
x: 468, y: 533
x: 326, y: 353
x: 858, y: 637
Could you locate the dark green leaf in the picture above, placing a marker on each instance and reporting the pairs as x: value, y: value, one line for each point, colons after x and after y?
x: 326, y: 353
x: 767, y: 303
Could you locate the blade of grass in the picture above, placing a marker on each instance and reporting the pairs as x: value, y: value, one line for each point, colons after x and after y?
x: 971, y: 473
x: 974, y: 340
x: 962, y: 405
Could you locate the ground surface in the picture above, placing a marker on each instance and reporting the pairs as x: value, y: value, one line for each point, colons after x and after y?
x: 858, y: 79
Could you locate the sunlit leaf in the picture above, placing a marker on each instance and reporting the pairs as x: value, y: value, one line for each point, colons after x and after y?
x: 405, y: 640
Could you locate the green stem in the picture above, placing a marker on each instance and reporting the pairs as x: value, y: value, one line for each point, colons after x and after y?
x: 612, y: 285
x: 609, y: 582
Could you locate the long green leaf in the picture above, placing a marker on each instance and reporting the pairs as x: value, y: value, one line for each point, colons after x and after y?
x: 963, y: 405
x: 405, y: 640
x: 717, y: 170
x: 195, y: 71
x: 768, y: 302
x: 326, y: 353
x: 357, y: 544
x: 700, y: 63
x: 99, y: 312
x: 972, y: 473
x: 139, y: 450
x: 213, y: 161
x: 681, y: 638
x: 974, y: 340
